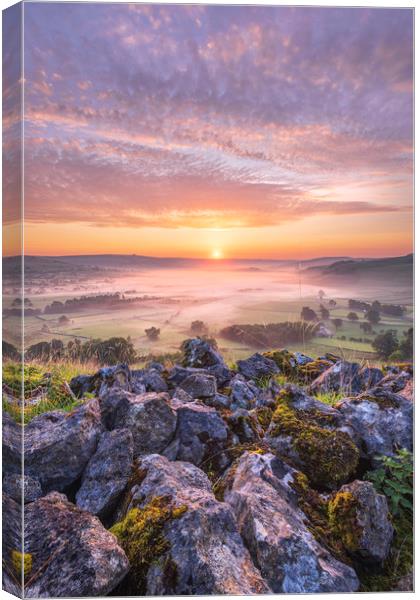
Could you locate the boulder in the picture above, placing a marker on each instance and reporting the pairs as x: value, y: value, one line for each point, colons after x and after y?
x: 302, y: 359
x: 107, y: 473
x: 58, y: 445
x: 378, y: 421
x: 118, y: 376
x: 244, y: 393
x: 12, y: 546
x: 194, y: 547
x: 360, y: 516
x: 150, y: 418
x: 245, y: 426
x: 12, y: 439
x: 370, y: 377
x: 200, y: 353
x: 179, y: 373
x: 22, y: 487
x: 408, y: 391
x: 200, y: 386
x: 343, y: 377
x: 201, y: 437
x: 148, y: 380
x: 72, y: 553
x: 274, y: 530
x: 303, y: 432
x: 257, y: 367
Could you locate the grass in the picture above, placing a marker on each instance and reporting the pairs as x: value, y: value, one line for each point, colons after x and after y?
x: 57, y: 396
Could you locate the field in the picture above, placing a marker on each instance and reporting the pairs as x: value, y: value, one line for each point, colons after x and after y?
x: 219, y: 294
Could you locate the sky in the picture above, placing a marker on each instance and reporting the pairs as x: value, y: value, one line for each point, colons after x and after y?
x: 211, y: 131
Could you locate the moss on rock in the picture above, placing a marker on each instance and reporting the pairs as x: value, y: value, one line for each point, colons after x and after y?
x: 140, y: 534
x: 342, y: 516
x: 327, y: 456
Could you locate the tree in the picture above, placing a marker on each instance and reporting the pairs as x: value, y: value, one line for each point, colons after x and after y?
x: 332, y: 303
x: 385, y: 343
x: 366, y: 327
x: 152, y: 333
x: 376, y: 305
x: 338, y: 323
x: 352, y: 316
x: 321, y: 295
x: 406, y: 345
x: 63, y: 320
x: 307, y: 314
x: 198, y: 327
x: 325, y: 313
x: 373, y: 316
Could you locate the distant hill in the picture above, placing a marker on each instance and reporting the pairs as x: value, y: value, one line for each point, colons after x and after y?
x: 396, y: 270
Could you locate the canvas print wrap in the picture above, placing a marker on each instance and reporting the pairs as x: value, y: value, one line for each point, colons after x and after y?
x: 207, y: 299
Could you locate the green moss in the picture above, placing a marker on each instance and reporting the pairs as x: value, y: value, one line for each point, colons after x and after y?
x: 140, y: 534
x: 315, y: 508
x: 264, y: 415
x: 313, y: 369
x: 20, y: 560
x: 328, y: 457
x: 342, y: 516
x: 285, y: 360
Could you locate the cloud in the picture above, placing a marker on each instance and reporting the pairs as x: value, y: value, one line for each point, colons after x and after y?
x: 206, y: 116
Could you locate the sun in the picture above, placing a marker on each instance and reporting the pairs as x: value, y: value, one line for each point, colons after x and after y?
x: 216, y: 254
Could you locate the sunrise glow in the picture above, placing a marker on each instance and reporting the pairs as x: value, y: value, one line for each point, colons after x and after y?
x: 216, y: 125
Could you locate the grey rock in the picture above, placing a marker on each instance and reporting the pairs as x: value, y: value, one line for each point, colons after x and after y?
x: 245, y: 427
x: 273, y: 528
x: 378, y: 421
x: 342, y: 377
x: 257, y: 366
x: 22, y: 487
x: 201, y: 436
x: 72, y: 553
x: 244, y: 393
x: 302, y: 359
x: 107, y: 473
x: 199, y: 353
x: 370, y: 524
x: 150, y: 418
x: 118, y: 376
x: 12, y: 439
x: 12, y: 541
x: 199, y: 386
x: 180, y: 395
x: 148, y: 380
x: 205, y: 548
x: 370, y: 377
x: 178, y: 374
x: 58, y: 445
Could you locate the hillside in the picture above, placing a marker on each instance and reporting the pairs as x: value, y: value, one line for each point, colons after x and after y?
x: 398, y: 270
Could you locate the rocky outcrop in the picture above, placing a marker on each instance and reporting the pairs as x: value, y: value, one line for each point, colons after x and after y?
x: 196, y: 547
x: 347, y: 378
x: 22, y: 488
x: 201, y: 438
x: 273, y: 528
x: 72, y: 553
x: 379, y: 421
x: 58, y: 445
x: 116, y: 377
x: 200, y: 386
x: 361, y: 518
x: 107, y: 473
x: 150, y: 418
x: 257, y: 367
x: 304, y: 432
